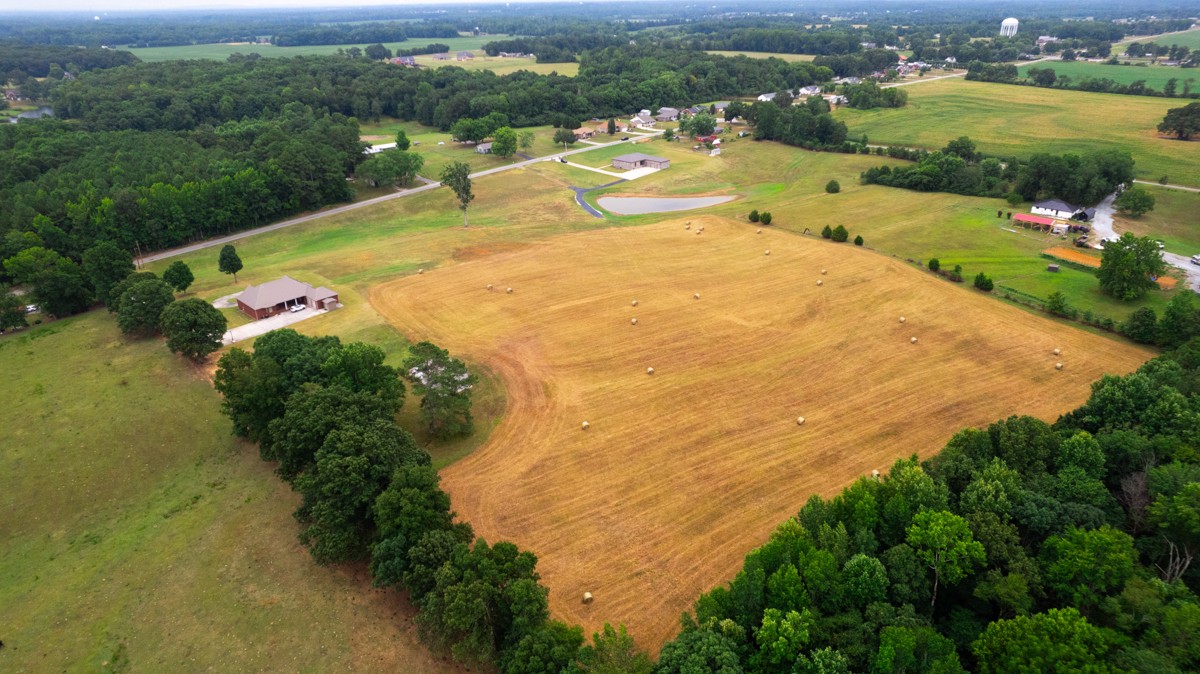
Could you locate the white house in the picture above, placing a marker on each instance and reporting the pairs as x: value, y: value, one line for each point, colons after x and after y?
x: 809, y: 91
x: 642, y: 120
x: 1055, y: 208
x: 763, y: 98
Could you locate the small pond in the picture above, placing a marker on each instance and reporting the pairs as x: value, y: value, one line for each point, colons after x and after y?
x: 643, y: 205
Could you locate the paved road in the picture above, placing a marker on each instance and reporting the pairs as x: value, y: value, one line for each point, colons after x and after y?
x: 1102, y: 227
x: 429, y: 185
x: 265, y: 325
x: 945, y: 77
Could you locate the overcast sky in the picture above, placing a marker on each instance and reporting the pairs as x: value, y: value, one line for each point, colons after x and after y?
x: 100, y: 6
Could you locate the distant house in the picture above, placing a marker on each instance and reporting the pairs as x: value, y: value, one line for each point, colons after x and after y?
x: 951, y: 60
x: 283, y: 294
x: 692, y: 111
x: 441, y: 57
x: 465, y: 56
x: 642, y: 120
x: 12, y: 94
x: 809, y: 91
x: 408, y: 61
x: 1055, y: 208
x: 584, y: 132
x: 512, y: 55
x: 484, y: 148
x: 848, y: 80
x: 763, y: 98
x: 711, y: 138
x: 721, y: 106
x: 603, y: 127
x: 639, y: 160
x: 667, y: 115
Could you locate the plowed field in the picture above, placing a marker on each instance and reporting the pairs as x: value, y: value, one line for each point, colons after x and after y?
x: 685, y: 470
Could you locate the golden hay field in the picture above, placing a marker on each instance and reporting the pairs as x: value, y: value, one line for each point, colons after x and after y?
x: 684, y: 471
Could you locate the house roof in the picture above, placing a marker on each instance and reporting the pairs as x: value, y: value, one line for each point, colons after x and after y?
x: 1034, y: 219
x: 1055, y: 204
x: 722, y: 105
x: 639, y: 156
x: 668, y: 111
x: 281, y: 290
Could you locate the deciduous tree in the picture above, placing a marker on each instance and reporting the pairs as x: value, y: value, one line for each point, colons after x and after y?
x: 179, y: 276
x: 1183, y: 122
x: 1128, y: 265
x: 106, y: 264
x: 445, y: 386
x: 504, y: 142
x: 193, y: 328
x: 1135, y: 201
x: 229, y: 262
x: 943, y: 541
x: 141, y: 307
x: 457, y: 176
x: 1060, y: 640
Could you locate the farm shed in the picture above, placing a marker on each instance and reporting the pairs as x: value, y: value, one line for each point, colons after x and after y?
x: 1055, y: 208
x: 1033, y: 221
x: 484, y: 148
x: 640, y: 160
x: 280, y: 295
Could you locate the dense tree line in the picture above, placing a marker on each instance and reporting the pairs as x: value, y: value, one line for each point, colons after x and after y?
x: 156, y: 189
x: 324, y: 413
x: 19, y: 62
x: 869, y: 94
x: 555, y: 48
x: 787, y: 41
x: 859, y: 64
x: 809, y: 125
x: 1076, y: 178
x: 361, y: 33
x: 1020, y: 547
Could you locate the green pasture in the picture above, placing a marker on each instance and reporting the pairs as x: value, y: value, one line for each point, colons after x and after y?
x: 500, y: 66
x: 140, y: 535
x: 1016, y: 120
x: 790, y: 58
x: 222, y: 51
x: 1175, y: 220
x: 1188, y: 38
x: 1155, y: 76
x: 790, y: 183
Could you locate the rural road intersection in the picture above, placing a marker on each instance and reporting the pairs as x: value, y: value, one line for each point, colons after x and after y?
x: 429, y: 185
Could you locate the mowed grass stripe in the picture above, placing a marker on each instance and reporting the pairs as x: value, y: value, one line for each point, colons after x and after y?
x: 707, y: 448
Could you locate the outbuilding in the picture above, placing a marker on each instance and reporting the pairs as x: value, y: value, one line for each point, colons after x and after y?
x: 640, y: 160
x: 284, y: 294
x: 1055, y: 208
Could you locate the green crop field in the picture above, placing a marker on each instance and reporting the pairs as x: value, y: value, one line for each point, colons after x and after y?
x: 1188, y: 38
x: 790, y: 58
x: 140, y: 535
x: 1015, y: 120
x: 221, y: 51
x: 1155, y: 76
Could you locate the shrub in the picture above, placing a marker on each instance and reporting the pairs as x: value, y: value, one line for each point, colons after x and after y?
x: 983, y: 282
x: 934, y: 265
x: 858, y: 240
x: 833, y: 187
x: 1013, y: 198
x: 765, y: 217
x: 1162, y: 180
x: 1056, y: 304
x: 826, y: 233
x: 840, y: 234
x: 754, y: 215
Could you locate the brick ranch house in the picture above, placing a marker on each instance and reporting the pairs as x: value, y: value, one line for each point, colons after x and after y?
x: 280, y: 295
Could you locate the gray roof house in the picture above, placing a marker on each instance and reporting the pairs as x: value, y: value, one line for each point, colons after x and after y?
x: 667, y: 115
x: 640, y: 160
x: 1055, y: 208
x: 283, y: 294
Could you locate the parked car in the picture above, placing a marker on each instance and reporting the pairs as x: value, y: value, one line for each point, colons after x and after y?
x: 298, y: 307
x: 563, y: 159
x: 1196, y: 259
x: 624, y: 137
x: 30, y: 308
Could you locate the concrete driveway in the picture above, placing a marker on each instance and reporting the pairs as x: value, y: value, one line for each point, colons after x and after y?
x: 262, y: 327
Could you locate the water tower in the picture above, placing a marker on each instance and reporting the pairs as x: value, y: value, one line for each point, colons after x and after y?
x: 1008, y: 27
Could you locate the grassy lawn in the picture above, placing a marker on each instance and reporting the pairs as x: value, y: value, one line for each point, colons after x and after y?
x: 1013, y: 120
x: 1173, y: 220
x: 790, y: 58
x: 221, y: 51
x: 140, y: 535
x: 1155, y: 76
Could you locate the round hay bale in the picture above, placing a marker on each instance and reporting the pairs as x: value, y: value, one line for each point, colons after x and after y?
x: 688, y: 226
x: 508, y: 290
x: 633, y: 303
x: 767, y: 253
x: 696, y: 296
x: 902, y: 319
x: 875, y: 474
x: 699, y: 232
x: 489, y: 286
x: 649, y: 370
x: 420, y: 271
x: 633, y: 321
x: 799, y: 421
x: 822, y: 272
x: 1058, y: 366
x: 1057, y: 351
x: 758, y: 232
x: 913, y: 340
x: 820, y: 282
x: 702, y: 228
x: 586, y: 425
x: 587, y: 597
